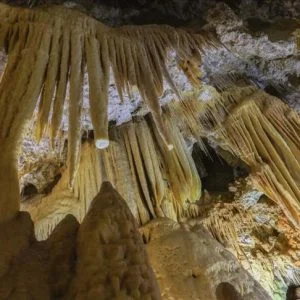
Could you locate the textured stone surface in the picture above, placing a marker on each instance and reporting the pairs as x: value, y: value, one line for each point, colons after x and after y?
x: 36, y: 270
x: 255, y: 230
x: 189, y: 264
x: 103, y: 258
x: 112, y: 261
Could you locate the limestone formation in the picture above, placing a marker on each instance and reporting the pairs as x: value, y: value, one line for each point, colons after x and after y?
x: 112, y: 260
x: 206, y: 167
x: 256, y: 127
x: 189, y: 264
x: 153, y: 181
x: 103, y: 258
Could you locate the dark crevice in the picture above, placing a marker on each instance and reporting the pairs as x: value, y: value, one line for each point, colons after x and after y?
x: 51, y: 185
x: 29, y: 190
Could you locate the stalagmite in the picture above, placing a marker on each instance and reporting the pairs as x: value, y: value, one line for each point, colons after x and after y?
x: 111, y: 254
x: 122, y: 142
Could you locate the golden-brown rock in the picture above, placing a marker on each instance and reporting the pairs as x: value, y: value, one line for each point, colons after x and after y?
x: 189, y: 264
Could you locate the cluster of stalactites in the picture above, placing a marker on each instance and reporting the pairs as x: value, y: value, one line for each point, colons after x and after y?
x: 155, y: 182
x: 225, y: 222
x: 258, y: 128
x: 270, y: 148
x: 52, y: 47
x: 230, y: 223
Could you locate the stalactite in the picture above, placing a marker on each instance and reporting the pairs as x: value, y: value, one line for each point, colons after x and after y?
x: 50, y: 82
x: 45, y: 45
x: 256, y: 141
x: 225, y: 222
x: 191, y: 68
x: 75, y: 103
x: 153, y: 181
x: 19, y: 90
x: 61, y: 87
x: 144, y: 215
x: 256, y: 127
x: 286, y: 121
x: 89, y: 178
x: 98, y: 82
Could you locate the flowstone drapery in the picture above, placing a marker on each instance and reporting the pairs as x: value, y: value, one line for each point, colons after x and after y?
x: 157, y: 182
x: 153, y: 181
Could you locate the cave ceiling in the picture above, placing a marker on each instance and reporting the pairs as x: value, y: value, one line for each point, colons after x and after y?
x: 259, y: 41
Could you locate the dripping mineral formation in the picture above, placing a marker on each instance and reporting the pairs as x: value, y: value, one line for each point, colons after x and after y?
x: 149, y: 149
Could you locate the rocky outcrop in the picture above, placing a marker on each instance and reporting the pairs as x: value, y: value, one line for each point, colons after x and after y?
x: 36, y: 270
x: 103, y: 258
x: 190, y: 264
x: 106, y: 258
x: 112, y: 262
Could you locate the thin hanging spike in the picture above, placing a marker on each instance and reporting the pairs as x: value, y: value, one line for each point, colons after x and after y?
x: 136, y: 154
x: 131, y: 75
x: 104, y: 58
x: 141, y: 135
x: 61, y: 88
x: 98, y: 84
x: 126, y: 61
x: 170, y: 81
x: 75, y: 103
x: 143, y: 212
x: 105, y: 73
x: 23, y: 36
x: 50, y: 82
x: 112, y: 45
x: 13, y: 37
x: 155, y: 65
x: 34, y: 81
x: 121, y: 62
x: 151, y: 162
x: 161, y: 54
x: 147, y: 90
x: 162, y: 130
x: 137, y: 72
x: 7, y: 87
